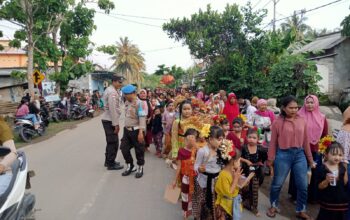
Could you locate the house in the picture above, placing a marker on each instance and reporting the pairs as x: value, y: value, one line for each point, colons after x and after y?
x: 11, y: 59
x: 97, y: 80
x: 331, y: 52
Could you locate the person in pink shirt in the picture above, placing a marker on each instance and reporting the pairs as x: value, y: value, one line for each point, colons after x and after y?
x: 23, y: 113
x: 289, y: 150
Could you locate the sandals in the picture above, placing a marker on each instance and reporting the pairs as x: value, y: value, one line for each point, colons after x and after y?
x: 303, y: 216
x: 271, y: 212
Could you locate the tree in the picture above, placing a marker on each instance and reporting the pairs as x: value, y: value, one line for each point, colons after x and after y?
x: 296, y: 27
x: 38, y: 19
x: 294, y: 75
x: 238, y: 53
x: 128, y: 59
x: 162, y: 69
x: 151, y: 80
x: 346, y: 26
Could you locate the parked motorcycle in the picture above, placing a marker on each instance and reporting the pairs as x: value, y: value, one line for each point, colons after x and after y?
x: 16, y: 203
x: 81, y: 111
x: 26, y: 130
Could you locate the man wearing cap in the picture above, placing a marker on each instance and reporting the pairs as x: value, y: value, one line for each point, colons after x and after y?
x: 134, y: 128
x: 110, y: 121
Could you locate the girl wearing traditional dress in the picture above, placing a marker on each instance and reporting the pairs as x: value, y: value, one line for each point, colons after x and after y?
x: 239, y: 134
x: 207, y: 169
x: 167, y: 120
x: 253, y: 158
x: 332, y: 179
x: 185, y: 170
x: 177, y: 132
x: 228, y: 202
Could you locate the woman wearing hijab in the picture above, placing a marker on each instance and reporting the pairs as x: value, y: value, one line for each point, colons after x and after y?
x: 231, y: 109
x: 147, y: 106
x: 317, y: 128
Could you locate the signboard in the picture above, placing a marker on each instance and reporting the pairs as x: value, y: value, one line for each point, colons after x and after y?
x: 38, y: 77
x: 49, y: 91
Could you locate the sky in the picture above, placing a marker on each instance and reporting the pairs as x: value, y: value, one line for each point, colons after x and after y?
x: 159, y: 49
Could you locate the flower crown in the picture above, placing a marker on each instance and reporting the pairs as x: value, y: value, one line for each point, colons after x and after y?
x: 324, y: 143
x: 227, y: 150
x: 217, y: 119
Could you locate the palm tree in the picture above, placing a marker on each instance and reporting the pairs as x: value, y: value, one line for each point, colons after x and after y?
x: 296, y: 27
x: 129, y: 61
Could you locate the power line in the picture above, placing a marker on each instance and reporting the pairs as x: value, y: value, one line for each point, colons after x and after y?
x: 266, y: 4
x: 131, y: 21
x: 161, y: 49
x: 142, y: 17
x: 303, y: 12
x: 256, y: 4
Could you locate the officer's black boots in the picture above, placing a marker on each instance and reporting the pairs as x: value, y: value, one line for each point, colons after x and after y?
x: 129, y: 169
x: 115, y: 166
x: 139, y: 172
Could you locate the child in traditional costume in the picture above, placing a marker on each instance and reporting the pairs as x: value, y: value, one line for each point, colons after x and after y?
x: 332, y: 179
x: 228, y: 202
x: 207, y: 170
x: 177, y: 132
x: 185, y: 170
x: 253, y: 158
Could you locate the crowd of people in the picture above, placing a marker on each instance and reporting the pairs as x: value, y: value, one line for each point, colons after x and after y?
x: 223, y: 146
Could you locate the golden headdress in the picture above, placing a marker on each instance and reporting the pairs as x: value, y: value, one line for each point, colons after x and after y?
x: 197, y: 122
x: 227, y: 150
x: 178, y: 100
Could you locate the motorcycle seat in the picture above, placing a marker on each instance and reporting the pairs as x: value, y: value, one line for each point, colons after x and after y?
x: 15, y: 169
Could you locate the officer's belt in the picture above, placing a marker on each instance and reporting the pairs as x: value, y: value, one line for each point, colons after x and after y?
x: 132, y: 128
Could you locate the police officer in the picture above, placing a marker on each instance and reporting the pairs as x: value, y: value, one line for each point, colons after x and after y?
x: 110, y: 121
x: 134, y: 128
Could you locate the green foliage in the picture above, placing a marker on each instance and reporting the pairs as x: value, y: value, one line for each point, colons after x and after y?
x: 151, y: 80
x: 15, y: 43
x: 294, y: 75
x: 162, y: 69
x: 240, y: 55
x: 19, y: 75
x: 128, y: 60
x: 106, y: 5
x: 346, y: 26
x: 111, y: 49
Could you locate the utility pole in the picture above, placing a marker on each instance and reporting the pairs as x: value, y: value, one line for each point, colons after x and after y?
x: 274, y: 15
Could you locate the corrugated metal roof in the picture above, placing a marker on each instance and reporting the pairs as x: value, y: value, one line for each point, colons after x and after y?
x: 323, y: 43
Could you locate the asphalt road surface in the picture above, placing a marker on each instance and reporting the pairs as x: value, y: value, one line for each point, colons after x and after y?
x: 72, y: 183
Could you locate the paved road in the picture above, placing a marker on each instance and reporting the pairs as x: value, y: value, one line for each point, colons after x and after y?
x: 71, y: 182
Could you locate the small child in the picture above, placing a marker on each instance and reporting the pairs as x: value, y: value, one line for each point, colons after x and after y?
x: 157, y: 131
x: 208, y: 170
x: 228, y: 202
x: 185, y: 170
x: 332, y: 179
x: 253, y: 158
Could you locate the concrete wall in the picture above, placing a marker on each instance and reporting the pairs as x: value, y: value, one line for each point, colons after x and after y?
x: 341, y: 78
x: 13, y: 60
x: 325, y: 67
x: 11, y: 94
